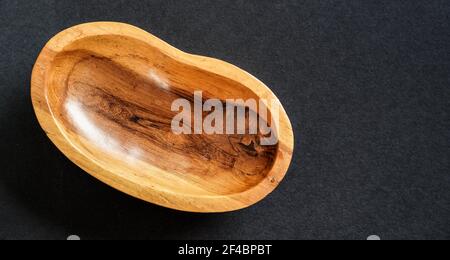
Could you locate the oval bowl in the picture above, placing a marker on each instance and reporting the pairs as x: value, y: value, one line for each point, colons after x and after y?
x: 103, y: 92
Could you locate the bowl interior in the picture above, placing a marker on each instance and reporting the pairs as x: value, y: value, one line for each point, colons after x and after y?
x: 111, y: 97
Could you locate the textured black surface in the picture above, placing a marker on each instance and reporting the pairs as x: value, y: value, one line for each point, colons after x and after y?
x: 365, y: 83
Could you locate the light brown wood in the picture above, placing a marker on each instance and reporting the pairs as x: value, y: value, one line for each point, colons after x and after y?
x: 103, y: 92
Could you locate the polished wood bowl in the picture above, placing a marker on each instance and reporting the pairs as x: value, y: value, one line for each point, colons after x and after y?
x: 103, y: 92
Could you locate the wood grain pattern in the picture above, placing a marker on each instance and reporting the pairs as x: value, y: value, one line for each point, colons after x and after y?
x: 103, y: 93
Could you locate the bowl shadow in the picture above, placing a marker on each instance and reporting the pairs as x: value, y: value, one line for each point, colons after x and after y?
x: 39, y: 178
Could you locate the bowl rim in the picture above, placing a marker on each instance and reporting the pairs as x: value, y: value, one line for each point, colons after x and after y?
x: 165, y: 198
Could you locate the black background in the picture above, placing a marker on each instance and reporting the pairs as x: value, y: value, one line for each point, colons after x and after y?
x: 365, y: 83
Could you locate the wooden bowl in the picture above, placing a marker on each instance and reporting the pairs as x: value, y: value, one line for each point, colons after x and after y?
x: 103, y: 92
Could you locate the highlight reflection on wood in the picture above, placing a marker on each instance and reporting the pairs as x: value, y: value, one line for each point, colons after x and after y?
x: 103, y: 93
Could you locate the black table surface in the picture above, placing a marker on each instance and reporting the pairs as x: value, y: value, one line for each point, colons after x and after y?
x: 365, y: 83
